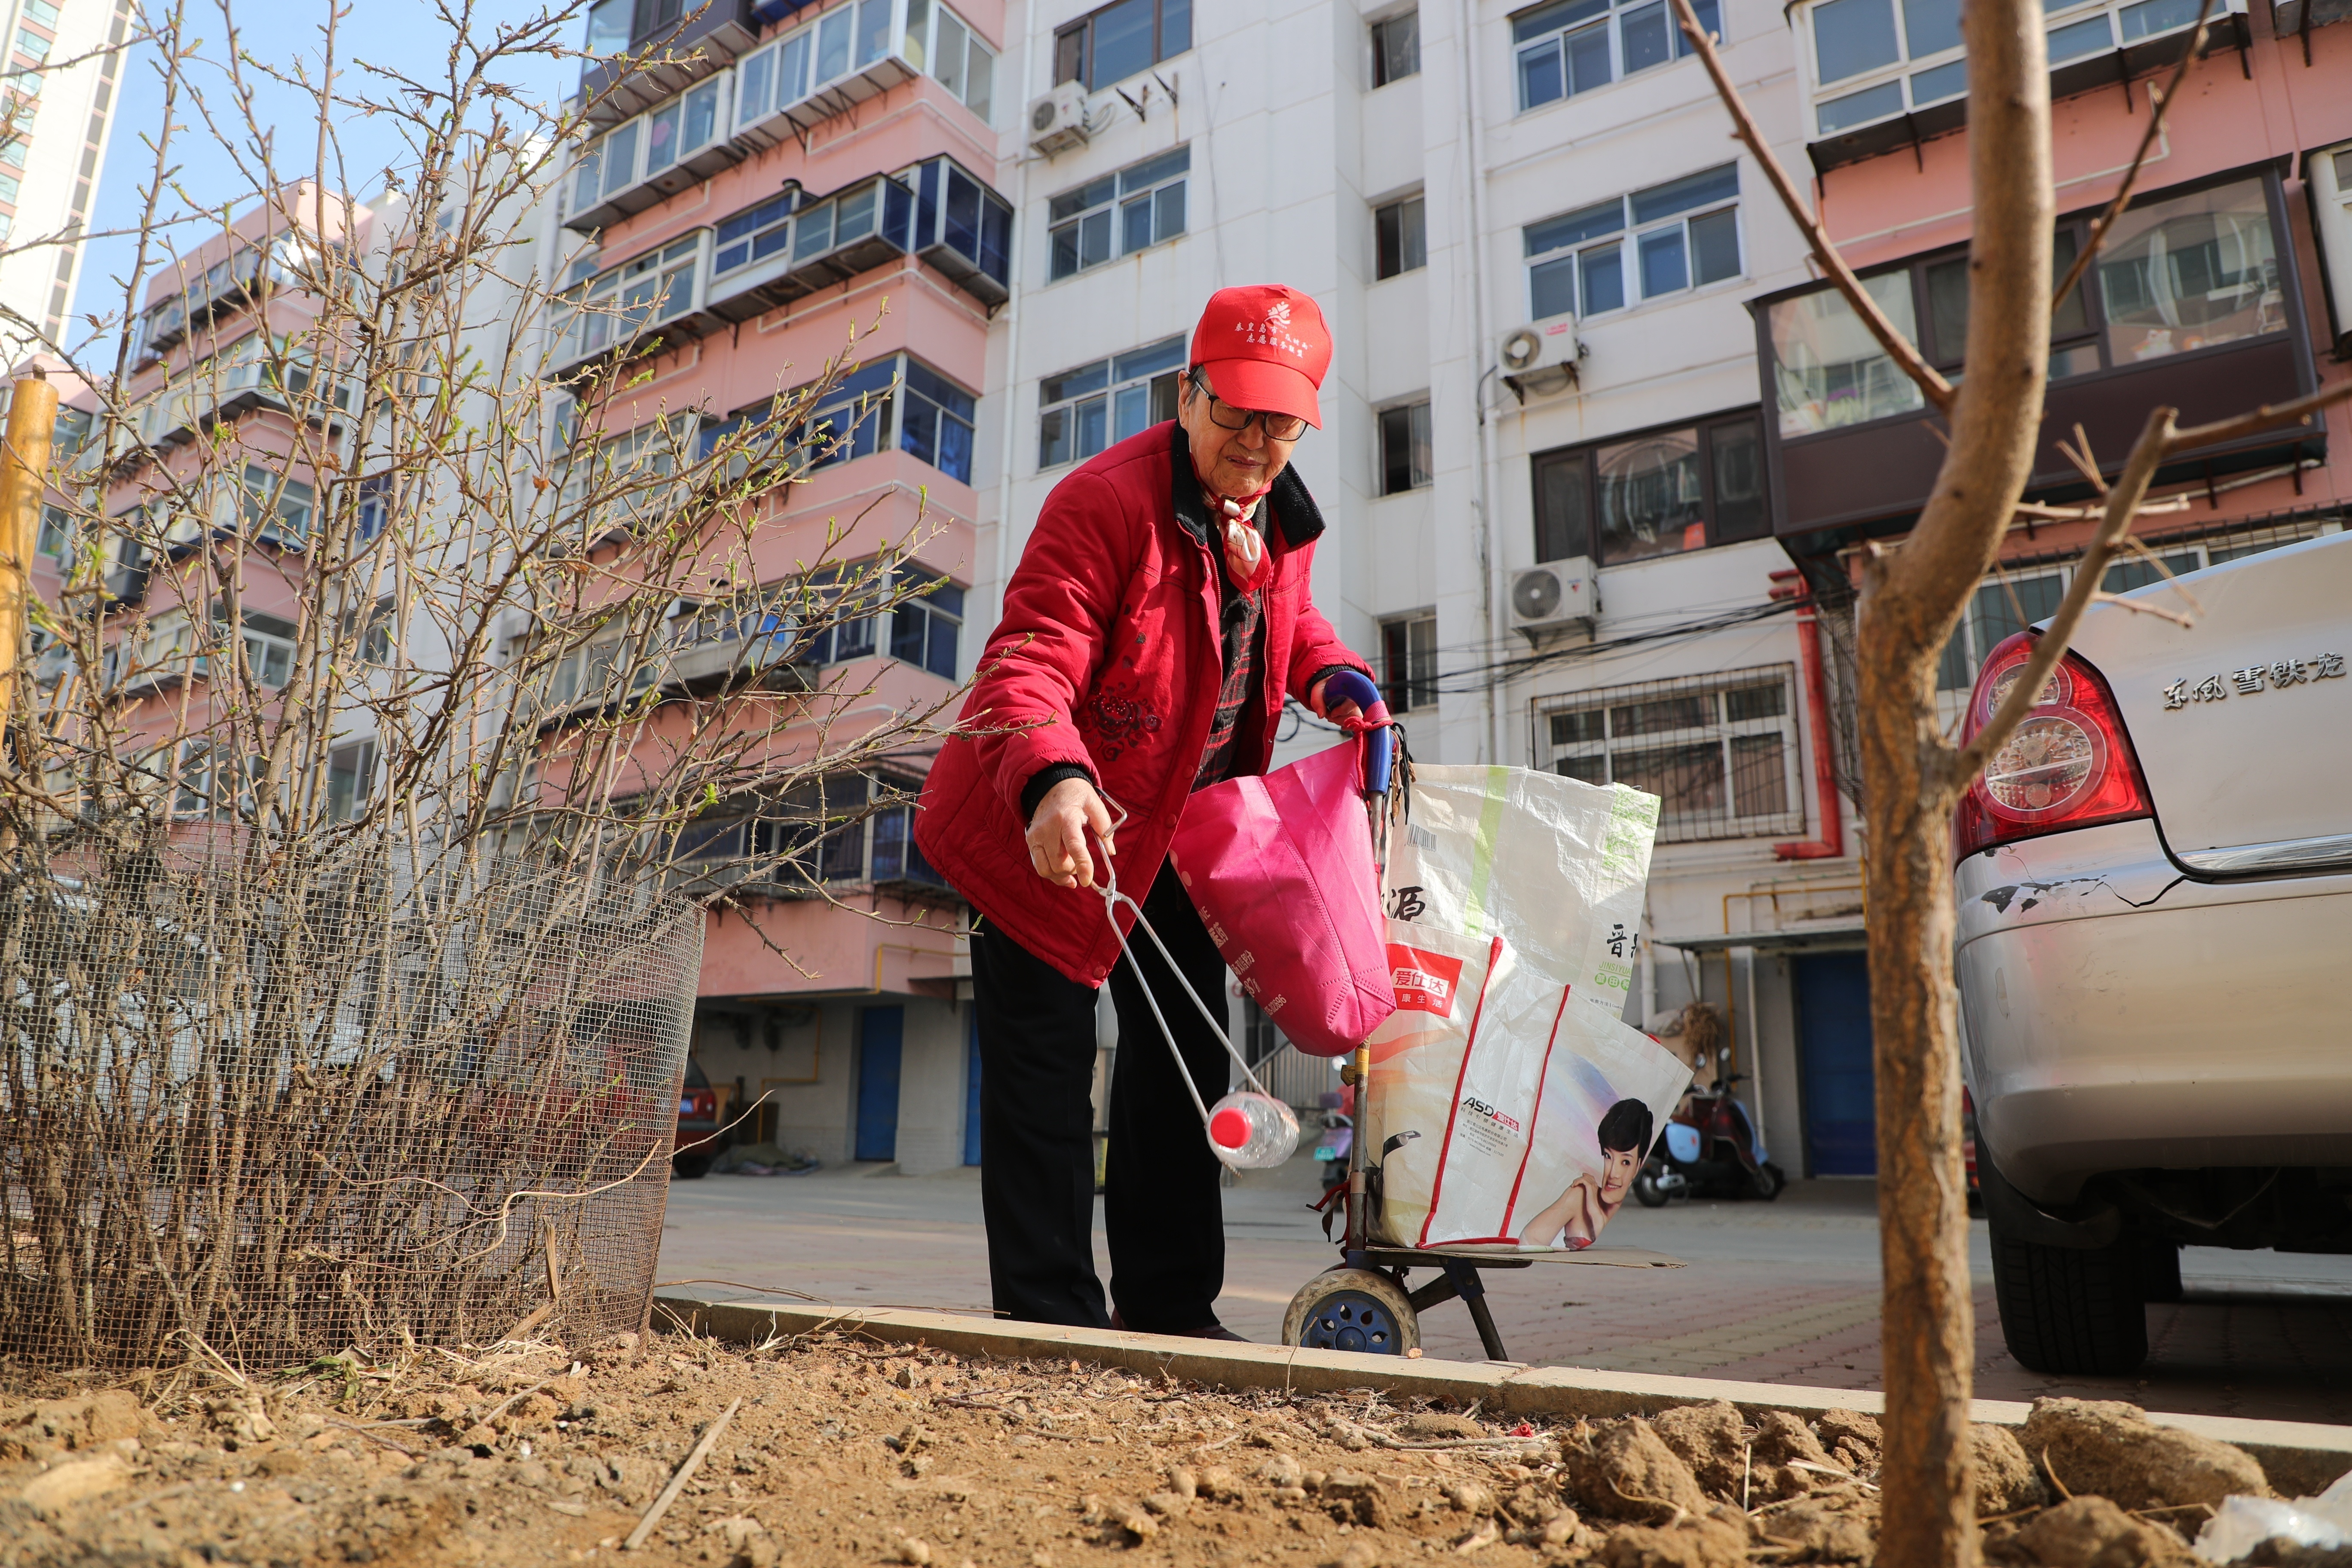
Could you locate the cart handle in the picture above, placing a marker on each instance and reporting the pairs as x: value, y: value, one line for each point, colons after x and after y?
x: 1380, y: 742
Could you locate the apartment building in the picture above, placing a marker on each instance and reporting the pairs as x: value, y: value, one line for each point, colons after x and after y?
x: 1599, y: 448
x: 58, y: 88
x: 786, y: 187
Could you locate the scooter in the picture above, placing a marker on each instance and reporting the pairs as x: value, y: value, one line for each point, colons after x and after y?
x: 1710, y: 1150
x: 1338, y: 1134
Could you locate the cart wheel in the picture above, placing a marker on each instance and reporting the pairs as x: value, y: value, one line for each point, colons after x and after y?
x: 1353, y: 1310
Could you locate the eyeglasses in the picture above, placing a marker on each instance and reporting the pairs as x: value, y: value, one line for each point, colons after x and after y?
x: 1225, y: 416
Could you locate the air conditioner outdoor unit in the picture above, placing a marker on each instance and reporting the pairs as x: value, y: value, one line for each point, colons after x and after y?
x: 2328, y: 173
x: 1554, y: 597
x: 1541, y: 356
x: 1058, y: 120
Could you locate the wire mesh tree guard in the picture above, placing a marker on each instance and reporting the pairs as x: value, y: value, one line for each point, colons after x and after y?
x: 281, y: 1108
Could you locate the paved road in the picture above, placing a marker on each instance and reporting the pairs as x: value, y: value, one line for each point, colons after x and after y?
x: 1780, y: 1292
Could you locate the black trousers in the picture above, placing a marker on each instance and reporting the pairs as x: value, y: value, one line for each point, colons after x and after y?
x: 1162, y: 1209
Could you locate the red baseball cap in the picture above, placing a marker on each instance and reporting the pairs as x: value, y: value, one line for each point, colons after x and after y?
x: 1265, y: 346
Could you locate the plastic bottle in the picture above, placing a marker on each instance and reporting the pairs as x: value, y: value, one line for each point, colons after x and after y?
x: 1252, y: 1131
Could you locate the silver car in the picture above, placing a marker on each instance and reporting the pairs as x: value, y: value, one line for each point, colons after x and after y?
x: 2154, y: 961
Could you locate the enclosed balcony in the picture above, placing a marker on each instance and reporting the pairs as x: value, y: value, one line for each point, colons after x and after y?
x: 794, y: 244
x: 819, y: 839
x: 791, y: 245
x: 792, y: 83
x: 2193, y: 304
x: 1879, y: 75
x: 675, y: 44
x: 649, y: 302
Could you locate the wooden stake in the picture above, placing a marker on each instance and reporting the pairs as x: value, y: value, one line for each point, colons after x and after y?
x: 24, y: 477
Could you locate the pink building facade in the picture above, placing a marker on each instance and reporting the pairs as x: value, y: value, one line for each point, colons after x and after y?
x: 812, y: 185
x: 2217, y: 290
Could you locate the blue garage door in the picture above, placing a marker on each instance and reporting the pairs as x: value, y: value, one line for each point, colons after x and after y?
x: 972, y: 1091
x: 1833, y: 1043
x: 880, y: 1031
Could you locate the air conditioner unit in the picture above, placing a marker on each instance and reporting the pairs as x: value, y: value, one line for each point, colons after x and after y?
x: 1541, y: 356
x: 1554, y: 597
x: 1058, y: 120
x: 2327, y: 174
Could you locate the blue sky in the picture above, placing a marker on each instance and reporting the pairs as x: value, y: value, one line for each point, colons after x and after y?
x: 409, y: 38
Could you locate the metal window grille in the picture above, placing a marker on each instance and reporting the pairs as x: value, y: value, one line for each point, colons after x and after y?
x: 1720, y: 751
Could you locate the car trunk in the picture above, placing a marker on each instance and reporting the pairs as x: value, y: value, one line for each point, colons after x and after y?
x: 2243, y: 721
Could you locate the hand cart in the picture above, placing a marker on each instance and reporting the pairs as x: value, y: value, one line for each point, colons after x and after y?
x: 1363, y: 1302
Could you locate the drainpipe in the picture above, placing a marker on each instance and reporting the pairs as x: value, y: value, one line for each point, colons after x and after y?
x: 1012, y: 397
x: 1490, y: 564
x: 1831, y: 845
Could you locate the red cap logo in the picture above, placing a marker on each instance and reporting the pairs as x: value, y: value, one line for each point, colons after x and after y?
x: 1265, y: 346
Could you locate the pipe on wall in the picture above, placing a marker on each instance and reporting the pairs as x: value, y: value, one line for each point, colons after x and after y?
x: 1831, y: 845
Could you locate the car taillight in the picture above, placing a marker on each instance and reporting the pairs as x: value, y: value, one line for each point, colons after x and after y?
x: 2069, y: 762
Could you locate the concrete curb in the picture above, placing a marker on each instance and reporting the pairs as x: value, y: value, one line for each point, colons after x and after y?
x: 2300, y: 1457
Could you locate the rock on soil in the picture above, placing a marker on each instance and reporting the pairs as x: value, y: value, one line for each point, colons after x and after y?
x: 2093, y: 1532
x: 2007, y: 1480
x: 2113, y: 1450
x: 1712, y: 1439
x: 1626, y: 1471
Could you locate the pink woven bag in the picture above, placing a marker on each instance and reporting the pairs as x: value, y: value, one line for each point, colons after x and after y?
x: 1281, y: 868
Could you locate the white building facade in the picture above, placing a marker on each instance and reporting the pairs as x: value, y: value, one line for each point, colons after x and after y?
x: 1439, y: 178
x: 58, y: 91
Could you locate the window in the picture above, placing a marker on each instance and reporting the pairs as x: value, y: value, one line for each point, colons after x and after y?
x: 849, y: 39
x: 31, y: 45
x: 43, y: 13
x: 1873, y: 60
x: 9, y: 186
x: 1400, y: 237
x: 1082, y: 411
x: 1408, y: 662
x: 2179, y: 273
x: 57, y: 536
x: 1121, y: 39
x: 896, y: 403
x: 1657, y: 494
x: 937, y: 423
x: 351, y: 778
x: 1404, y: 447
x: 1719, y: 751
x: 641, y: 293
x: 274, y: 507
x: 1828, y: 371
x: 375, y: 506
x: 1120, y: 214
x: 12, y: 152
x: 685, y: 125
x: 924, y: 626
x: 1575, y: 46
x: 1682, y: 234
x: 1396, y: 48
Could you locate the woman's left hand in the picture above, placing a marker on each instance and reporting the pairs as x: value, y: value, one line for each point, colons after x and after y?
x: 1340, y: 712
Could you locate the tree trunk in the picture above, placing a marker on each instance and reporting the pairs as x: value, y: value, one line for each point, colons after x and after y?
x: 1911, y: 601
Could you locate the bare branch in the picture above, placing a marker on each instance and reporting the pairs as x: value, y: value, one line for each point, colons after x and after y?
x: 1932, y: 386
x: 2160, y: 105
x: 2270, y: 416
x: 2139, y: 470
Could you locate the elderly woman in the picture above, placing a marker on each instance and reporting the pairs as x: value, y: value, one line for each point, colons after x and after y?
x: 1159, y: 617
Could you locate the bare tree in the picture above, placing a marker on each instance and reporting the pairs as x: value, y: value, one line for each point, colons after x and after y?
x: 399, y: 710
x: 1911, y: 597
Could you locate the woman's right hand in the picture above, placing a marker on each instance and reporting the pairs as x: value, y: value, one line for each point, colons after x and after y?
x: 1057, y: 834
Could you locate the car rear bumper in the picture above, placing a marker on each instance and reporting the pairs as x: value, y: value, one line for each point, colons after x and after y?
x: 2119, y: 1014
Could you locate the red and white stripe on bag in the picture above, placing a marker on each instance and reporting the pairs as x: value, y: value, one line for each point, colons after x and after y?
x: 1425, y: 981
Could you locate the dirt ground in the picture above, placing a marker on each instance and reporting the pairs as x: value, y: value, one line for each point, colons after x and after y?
x: 844, y: 1452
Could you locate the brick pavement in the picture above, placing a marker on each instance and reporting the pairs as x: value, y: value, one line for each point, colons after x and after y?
x: 1779, y: 1293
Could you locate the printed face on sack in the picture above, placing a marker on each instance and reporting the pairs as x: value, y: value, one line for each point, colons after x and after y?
x: 1617, y: 1170
x: 1234, y: 462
